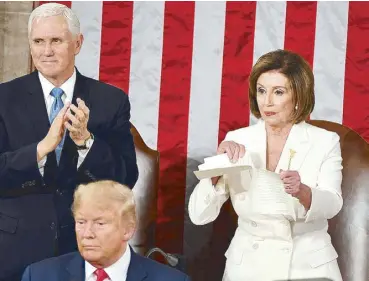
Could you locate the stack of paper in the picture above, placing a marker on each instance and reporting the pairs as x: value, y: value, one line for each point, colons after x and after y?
x: 220, y: 165
x: 268, y: 196
x: 266, y: 190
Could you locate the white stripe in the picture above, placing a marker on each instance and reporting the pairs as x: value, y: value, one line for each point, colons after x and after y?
x: 329, y: 60
x: 206, y: 78
x: 90, y: 16
x: 270, y: 24
x: 145, y: 68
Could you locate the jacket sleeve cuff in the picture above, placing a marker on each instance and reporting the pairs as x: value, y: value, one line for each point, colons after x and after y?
x: 319, y: 208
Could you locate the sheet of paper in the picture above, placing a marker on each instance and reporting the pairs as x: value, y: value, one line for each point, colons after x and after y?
x: 215, y: 172
x: 221, y: 158
x: 220, y: 165
x: 222, y: 161
x: 267, y: 195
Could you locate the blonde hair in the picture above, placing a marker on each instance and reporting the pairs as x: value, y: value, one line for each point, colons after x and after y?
x: 55, y: 9
x: 104, y: 193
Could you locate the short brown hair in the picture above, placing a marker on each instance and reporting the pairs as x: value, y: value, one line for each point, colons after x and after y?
x: 106, y: 193
x: 299, y: 74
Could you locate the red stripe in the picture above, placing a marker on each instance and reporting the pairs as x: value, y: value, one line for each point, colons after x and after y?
x: 300, y: 29
x: 66, y: 3
x: 356, y: 98
x: 116, y: 37
x: 173, y: 122
x: 237, y: 64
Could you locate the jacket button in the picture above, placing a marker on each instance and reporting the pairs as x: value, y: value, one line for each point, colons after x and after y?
x: 52, y: 225
x: 254, y: 224
x: 255, y: 246
x: 286, y: 250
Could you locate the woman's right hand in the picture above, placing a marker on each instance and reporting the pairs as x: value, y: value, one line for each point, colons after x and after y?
x: 234, y: 151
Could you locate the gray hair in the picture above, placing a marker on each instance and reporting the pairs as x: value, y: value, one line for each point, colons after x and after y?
x: 55, y: 9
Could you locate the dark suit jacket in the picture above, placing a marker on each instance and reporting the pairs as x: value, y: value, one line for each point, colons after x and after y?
x: 35, y: 216
x: 71, y: 267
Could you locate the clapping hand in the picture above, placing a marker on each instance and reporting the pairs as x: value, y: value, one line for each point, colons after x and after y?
x: 77, y: 119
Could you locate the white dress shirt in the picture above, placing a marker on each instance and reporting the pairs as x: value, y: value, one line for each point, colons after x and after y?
x: 68, y: 88
x: 116, y: 272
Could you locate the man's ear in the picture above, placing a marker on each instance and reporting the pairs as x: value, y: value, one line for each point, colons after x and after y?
x: 79, y: 43
x: 129, y: 231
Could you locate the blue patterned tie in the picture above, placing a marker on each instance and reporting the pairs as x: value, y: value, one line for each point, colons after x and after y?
x: 57, y: 105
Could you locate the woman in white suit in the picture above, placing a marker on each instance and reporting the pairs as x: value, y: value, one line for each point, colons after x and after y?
x: 268, y: 247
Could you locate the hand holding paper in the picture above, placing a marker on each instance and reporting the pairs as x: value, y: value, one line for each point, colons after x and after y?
x: 291, y: 181
x: 234, y: 150
x: 266, y: 191
x: 267, y: 195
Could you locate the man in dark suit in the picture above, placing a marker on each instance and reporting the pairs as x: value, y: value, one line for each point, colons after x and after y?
x: 58, y: 129
x: 105, y: 216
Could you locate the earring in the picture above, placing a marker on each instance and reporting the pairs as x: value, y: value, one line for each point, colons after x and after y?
x: 296, y: 107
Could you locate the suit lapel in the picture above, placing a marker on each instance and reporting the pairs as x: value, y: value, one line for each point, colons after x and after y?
x: 35, y: 106
x: 297, y: 142
x: 136, y: 271
x: 258, y: 144
x: 36, y: 111
x: 81, y: 89
x: 75, y: 269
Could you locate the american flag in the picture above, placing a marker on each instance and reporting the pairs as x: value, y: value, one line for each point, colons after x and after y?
x: 185, y: 67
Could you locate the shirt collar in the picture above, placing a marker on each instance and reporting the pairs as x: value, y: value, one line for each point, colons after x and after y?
x: 67, y: 86
x: 117, y: 271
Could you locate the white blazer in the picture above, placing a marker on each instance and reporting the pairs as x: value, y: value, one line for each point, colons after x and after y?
x: 266, y: 247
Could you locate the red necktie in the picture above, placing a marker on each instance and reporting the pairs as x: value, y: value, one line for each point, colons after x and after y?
x: 101, y: 274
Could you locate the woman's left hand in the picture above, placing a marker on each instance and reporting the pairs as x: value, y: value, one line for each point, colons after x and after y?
x: 291, y: 181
